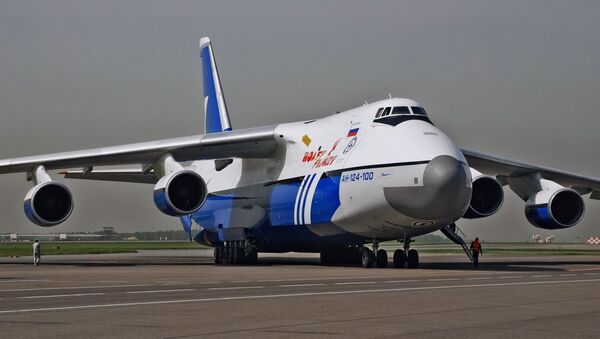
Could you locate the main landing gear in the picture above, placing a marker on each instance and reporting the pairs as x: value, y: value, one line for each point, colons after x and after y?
x: 375, y: 257
x: 236, y: 253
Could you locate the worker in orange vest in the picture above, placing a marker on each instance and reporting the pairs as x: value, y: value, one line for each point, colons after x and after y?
x: 476, y: 250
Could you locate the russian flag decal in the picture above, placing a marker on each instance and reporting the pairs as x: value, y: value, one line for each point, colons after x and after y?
x: 352, y: 132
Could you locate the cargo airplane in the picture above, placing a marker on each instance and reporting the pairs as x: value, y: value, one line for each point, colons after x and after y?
x: 382, y: 171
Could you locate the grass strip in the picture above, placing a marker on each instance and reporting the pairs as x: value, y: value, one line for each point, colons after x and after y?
x: 92, y: 247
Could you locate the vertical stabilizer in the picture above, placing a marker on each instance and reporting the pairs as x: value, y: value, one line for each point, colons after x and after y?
x: 216, y: 117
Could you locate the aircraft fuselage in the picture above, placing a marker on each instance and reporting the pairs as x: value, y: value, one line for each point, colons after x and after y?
x: 344, y: 179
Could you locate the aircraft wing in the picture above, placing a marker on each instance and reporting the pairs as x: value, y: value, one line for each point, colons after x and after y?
x: 501, y: 167
x: 120, y: 175
x: 243, y: 143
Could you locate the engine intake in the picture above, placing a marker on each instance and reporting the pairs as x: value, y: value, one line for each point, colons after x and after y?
x: 486, y: 199
x: 555, y: 209
x: 180, y: 193
x: 48, y: 204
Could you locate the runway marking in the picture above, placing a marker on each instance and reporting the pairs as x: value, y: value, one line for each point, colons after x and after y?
x: 175, y: 284
x: 479, y: 278
x: 26, y: 280
x: 566, y: 275
x: 542, y: 276
x: 162, y: 291
x: 510, y: 277
x: 356, y: 283
x: 584, y: 269
x: 113, y: 281
x: 71, y: 288
x: 60, y: 295
x: 291, y: 295
x: 329, y: 278
x: 301, y: 285
x: 442, y: 279
x: 399, y: 281
x: 591, y: 273
x: 235, y: 288
x: 240, y: 281
x: 167, y: 282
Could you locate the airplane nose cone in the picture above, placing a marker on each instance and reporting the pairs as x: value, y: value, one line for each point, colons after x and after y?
x: 446, y: 176
x: 445, y: 193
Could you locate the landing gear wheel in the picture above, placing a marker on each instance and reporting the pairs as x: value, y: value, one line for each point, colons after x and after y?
x: 399, y: 258
x: 324, y: 258
x: 238, y: 253
x: 229, y: 254
x: 218, y: 255
x: 252, y: 257
x: 381, y: 259
x: 368, y: 258
x: 413, y: 259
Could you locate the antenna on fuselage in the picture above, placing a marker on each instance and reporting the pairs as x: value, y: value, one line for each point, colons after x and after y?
x: 390, y: 94
x: 366, y: 103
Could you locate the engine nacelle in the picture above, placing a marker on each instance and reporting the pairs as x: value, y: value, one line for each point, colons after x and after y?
x: 555, y: 208
x: 48, y: 204
x: 180, y: 193
x: 486, y: 198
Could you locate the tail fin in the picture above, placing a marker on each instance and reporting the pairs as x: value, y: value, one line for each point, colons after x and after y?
x: 216, y: 117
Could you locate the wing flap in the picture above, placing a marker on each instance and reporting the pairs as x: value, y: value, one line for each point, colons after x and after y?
x: 126, y: 175
x: 245, y: 143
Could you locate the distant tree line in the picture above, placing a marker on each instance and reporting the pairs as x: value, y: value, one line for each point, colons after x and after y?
x: 155, y: 235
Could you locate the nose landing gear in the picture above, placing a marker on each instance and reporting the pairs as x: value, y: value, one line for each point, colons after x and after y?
x: 408, y: 256
x: 368, y: 258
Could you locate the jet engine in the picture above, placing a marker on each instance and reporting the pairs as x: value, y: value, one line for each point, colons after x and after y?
x: 555, y: 208
x: 48, y: 204
x: 180, y: 193
x: 486, y: 198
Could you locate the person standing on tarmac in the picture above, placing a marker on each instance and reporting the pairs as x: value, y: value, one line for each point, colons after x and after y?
x: 37, y: 250
x: 476, y: 250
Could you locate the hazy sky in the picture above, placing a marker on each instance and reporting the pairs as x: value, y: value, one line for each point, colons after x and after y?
x: 518, y: 79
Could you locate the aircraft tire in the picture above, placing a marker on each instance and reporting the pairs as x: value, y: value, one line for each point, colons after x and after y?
x: 229, y: 254
x: 399, y: 258
x: 368, y: 258
x: 382, y: 259
x: 252, y: 257
x: 324, y: 258
x: 238, y: 255
x: 218, y: 255
x: 412, y: 259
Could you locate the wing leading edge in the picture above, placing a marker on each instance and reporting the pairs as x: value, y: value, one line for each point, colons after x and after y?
x: 244, y: 143
x: 507, y: 168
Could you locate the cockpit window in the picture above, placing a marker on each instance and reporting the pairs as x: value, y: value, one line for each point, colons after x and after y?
x: 400, y: 110
x: 418, y: 110
x: 386, y: 112
x: 379, y: 112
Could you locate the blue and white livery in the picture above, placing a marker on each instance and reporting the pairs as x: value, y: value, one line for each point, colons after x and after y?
x: 382, y: 171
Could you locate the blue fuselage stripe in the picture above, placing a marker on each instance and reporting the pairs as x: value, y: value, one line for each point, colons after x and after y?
x: 299, y: 202
x: 306, y: 197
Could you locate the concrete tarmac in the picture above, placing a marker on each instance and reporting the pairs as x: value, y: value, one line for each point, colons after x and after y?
x: 181, y: 294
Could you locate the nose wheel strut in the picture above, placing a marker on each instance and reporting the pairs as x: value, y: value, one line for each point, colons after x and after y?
x: 407, y: 256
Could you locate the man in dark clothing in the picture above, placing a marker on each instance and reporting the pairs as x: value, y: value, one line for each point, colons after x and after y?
x: 476, y: 250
